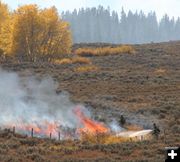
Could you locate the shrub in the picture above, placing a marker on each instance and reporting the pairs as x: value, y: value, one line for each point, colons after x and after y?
x: 29, y: 142
x: 36, y: 157
x: 105, y: 51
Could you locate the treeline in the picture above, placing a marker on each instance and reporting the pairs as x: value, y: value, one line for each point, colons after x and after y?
x: 102, y: 25
x: 33, y: 34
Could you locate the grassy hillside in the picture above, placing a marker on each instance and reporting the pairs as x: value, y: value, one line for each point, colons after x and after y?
x: 143, y: 86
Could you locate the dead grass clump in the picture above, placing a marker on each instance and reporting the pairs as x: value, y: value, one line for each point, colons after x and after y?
x: 81, y: 60
x: 62, y: 61
x: 83, y: 69
x: 102, y: 138
x: 105, y: 51
x: 114, y: 139
x: 74, y: 60
x: 160, y: 71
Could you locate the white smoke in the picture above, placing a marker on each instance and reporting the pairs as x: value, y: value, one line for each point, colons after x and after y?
x: 115, y: 127
x: 28, y: 100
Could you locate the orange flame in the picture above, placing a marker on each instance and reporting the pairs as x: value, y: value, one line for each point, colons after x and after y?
x: 51, y: 128
x: 44, y: 128
x: 90, y: 126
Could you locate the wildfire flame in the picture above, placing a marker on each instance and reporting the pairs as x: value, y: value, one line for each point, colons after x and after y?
x: 90, y: 126
x: 45, y: 127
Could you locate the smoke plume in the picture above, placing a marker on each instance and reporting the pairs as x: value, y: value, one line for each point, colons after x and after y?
x: 34, y: 102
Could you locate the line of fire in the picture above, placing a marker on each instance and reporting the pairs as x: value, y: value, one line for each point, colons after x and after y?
x: 88, y: 129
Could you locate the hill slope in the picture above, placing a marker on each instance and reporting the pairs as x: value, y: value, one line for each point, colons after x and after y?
x: 144, y: 87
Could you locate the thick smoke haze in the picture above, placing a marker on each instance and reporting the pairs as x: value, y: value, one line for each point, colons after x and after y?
x: 91, y: 25
x: 30, y: 101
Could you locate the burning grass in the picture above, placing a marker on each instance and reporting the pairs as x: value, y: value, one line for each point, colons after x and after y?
x: 87, y: 130
x: 93, y: 136
x: 102, y: 51
x: 74, y: 60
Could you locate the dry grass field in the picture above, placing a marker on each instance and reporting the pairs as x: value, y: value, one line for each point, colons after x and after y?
x: 144, y: 87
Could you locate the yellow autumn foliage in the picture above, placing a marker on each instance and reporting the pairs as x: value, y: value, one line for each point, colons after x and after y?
x: 5, y: 28
x: 34, y: 34
x: 4, y: 13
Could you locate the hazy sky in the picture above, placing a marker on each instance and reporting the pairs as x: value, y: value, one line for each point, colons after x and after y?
x: 171, y: 7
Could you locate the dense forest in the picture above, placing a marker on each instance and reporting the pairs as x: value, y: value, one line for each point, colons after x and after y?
x: 103, y: 25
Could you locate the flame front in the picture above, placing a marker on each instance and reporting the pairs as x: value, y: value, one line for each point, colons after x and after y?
x: 90, y: 126
x: 41, y: 129
x: 45, y: 128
